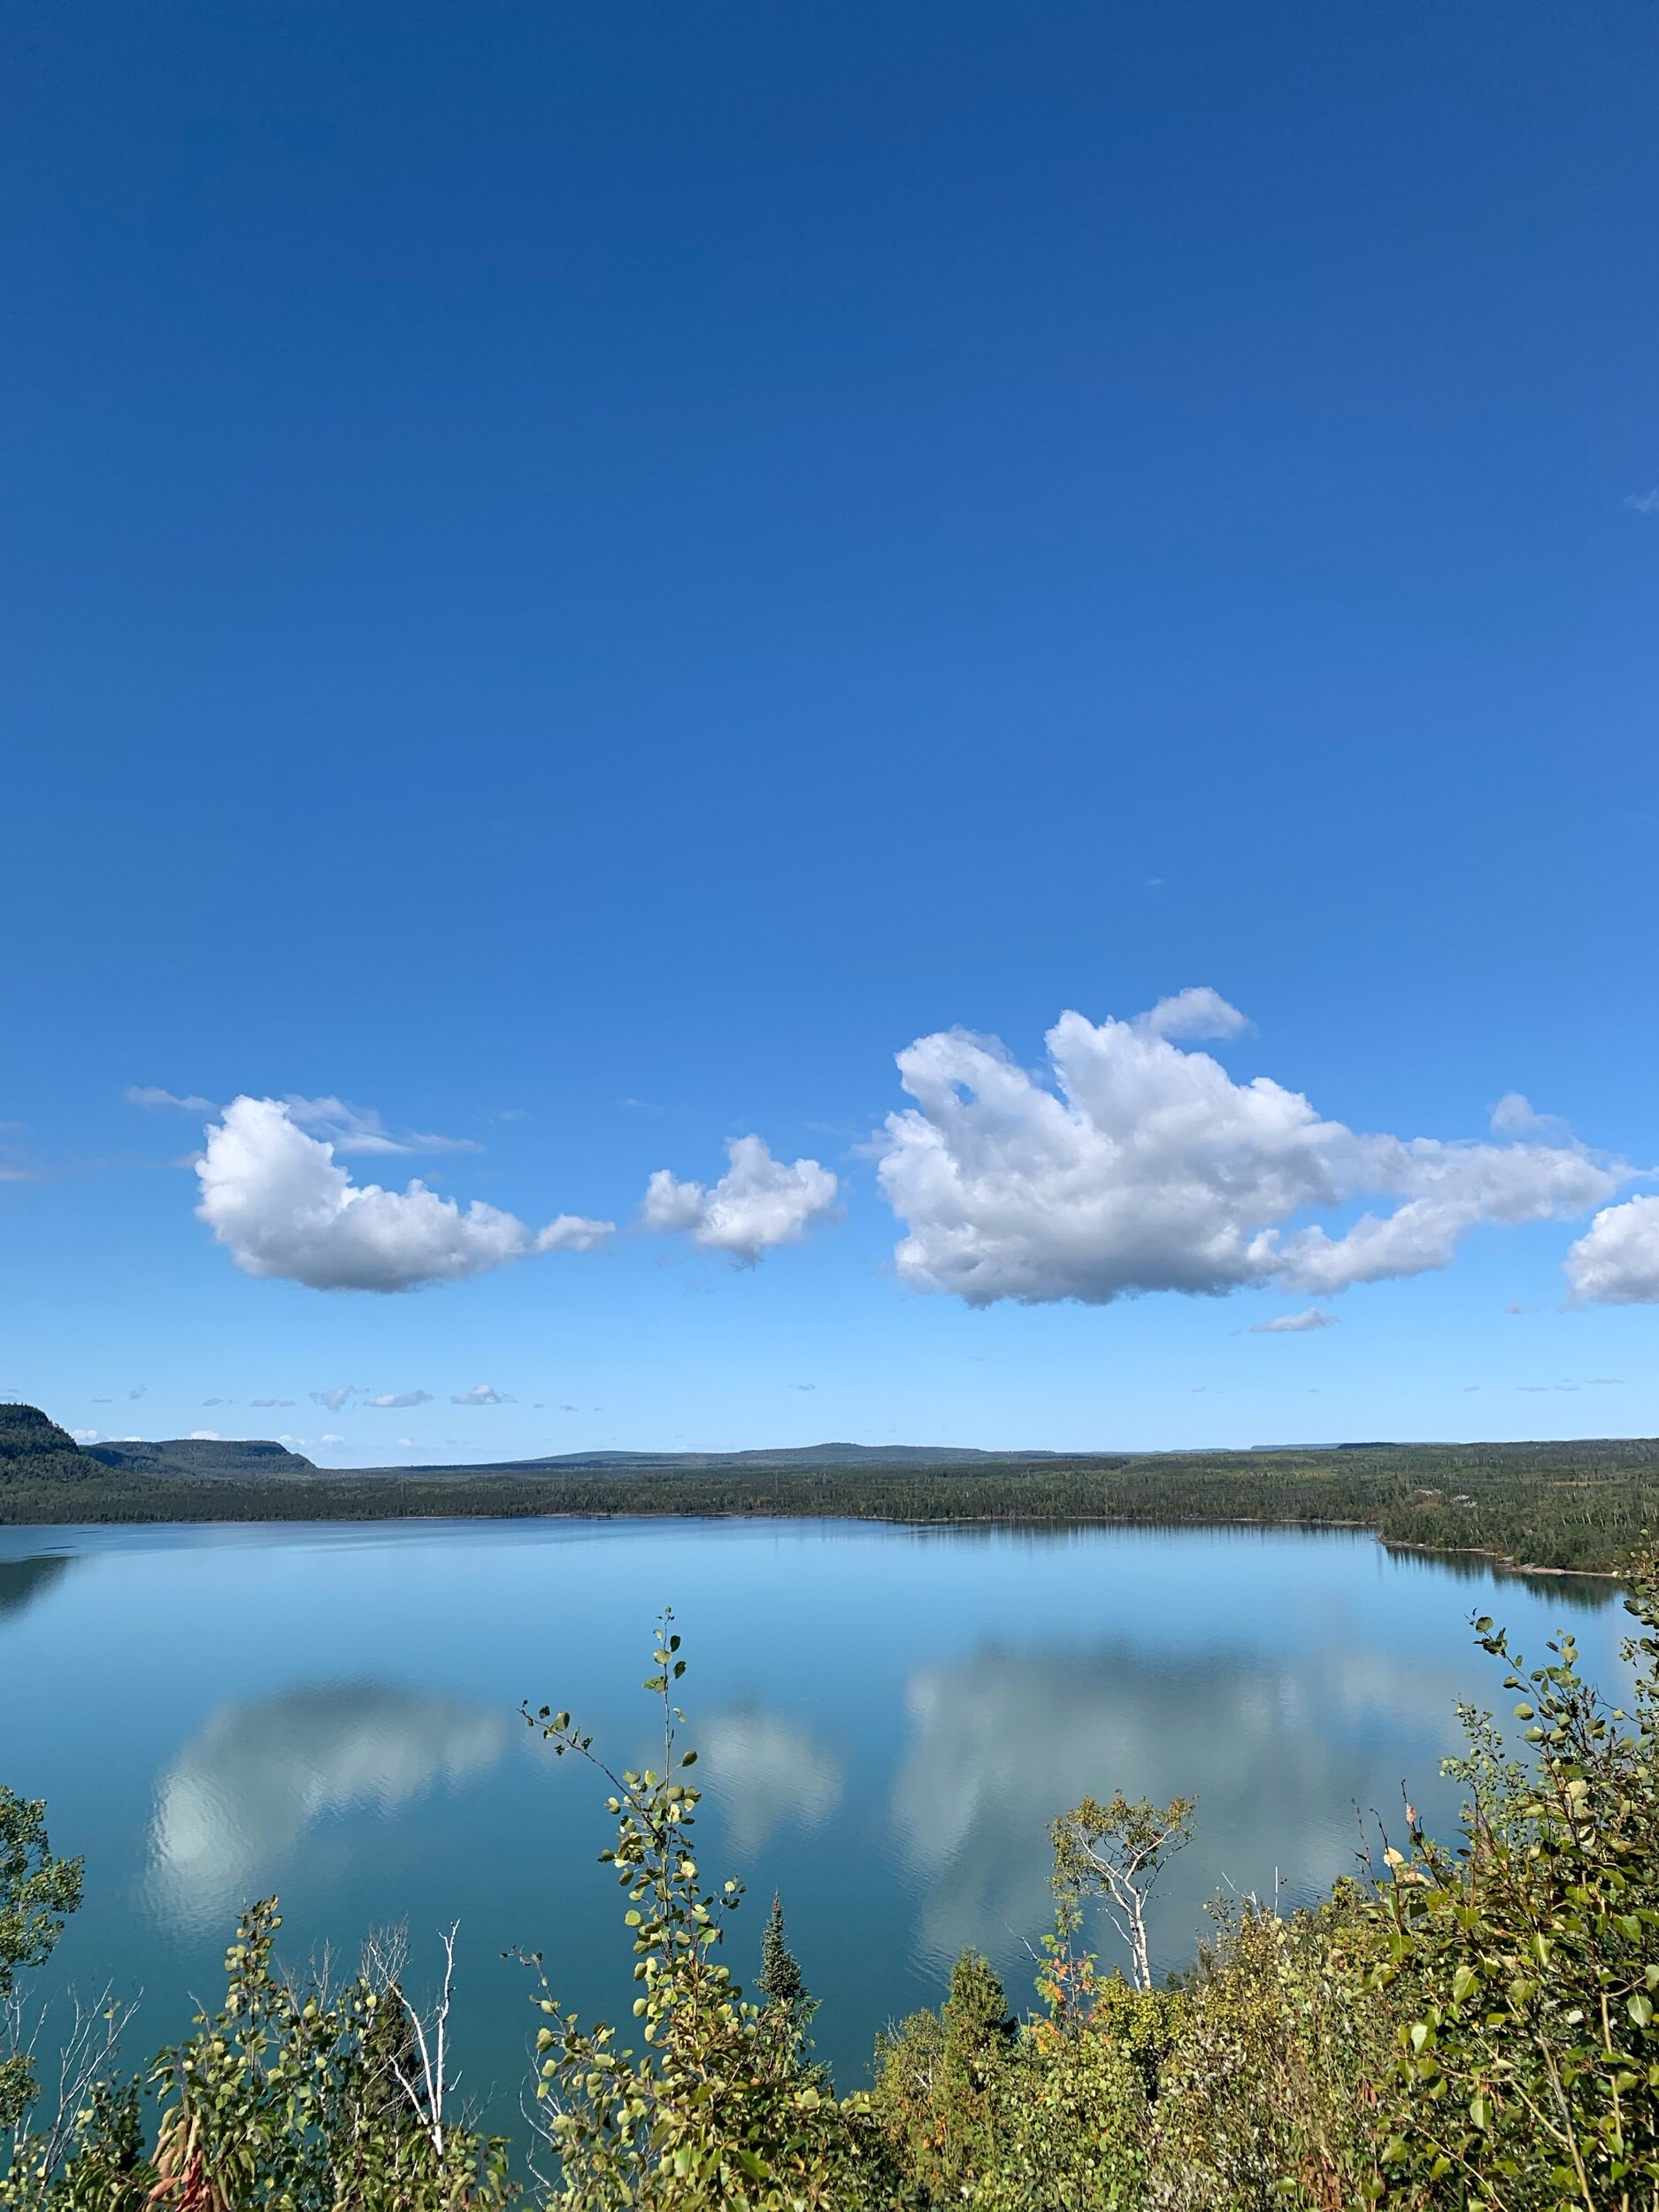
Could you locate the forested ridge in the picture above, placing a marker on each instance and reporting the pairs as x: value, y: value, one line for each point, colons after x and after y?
x: 1581, y: 1506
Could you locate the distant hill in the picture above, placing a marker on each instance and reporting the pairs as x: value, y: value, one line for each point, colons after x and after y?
x: 202, y: 1455
x: 32, y: 1444
x: 29, y: 1441
x: 801, y: 1456
x: 35, y: 1449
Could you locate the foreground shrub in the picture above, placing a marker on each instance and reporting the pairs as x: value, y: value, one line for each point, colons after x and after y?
x: 1266, y: 2096
x: 295, y: 2097
x: 1528, y: 2071
x: 722, y: 2106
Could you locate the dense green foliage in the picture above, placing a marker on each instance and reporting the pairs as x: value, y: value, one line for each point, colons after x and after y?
x: 1531, y: 2075
x: 1471, y: 2029
x: 37, y: 1894
x: 1574, y: 1506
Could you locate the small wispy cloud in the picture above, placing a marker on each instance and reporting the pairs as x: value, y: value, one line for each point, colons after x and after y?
x: 480, y: 1394
x: 1516, y: 1115
x: 204, y: 1436
x: 270, y: 1402
x: 332, y: 1400
x: 351, y: 1128
x: 400, y: 1398
x: 1294, y: 1324
x: 139, y: 1392
x: 1643, y: 503
x: 1590, y: 1382
x: 152, y: 1095
x: 84, y: 1436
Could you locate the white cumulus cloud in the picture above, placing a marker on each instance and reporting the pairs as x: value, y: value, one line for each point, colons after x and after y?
x: 400, y: 1398
x: 757, y: 1204
x: 279, y: 1202
x: 480, y: 1394
x: 1615, y: 1261
x: 1130, y: 1165
x: 1294, y: 1324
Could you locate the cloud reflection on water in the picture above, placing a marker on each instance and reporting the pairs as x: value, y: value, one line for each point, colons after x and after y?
x: 244, y: 1792
x: 766, y: 1769
x: 1279, y: 1754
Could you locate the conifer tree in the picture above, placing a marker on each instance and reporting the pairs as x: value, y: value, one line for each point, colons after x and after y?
x: 780, y: 1973
x: 979, y: 2027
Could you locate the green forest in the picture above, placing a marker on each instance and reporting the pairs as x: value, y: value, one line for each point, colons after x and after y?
x: 1469, y: 2024
x: 1581, y: 1506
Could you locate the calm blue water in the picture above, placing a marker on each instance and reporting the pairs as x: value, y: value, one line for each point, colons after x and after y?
x: 890, y: 1720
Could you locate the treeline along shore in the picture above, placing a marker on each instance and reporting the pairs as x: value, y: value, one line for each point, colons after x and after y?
x: 1578, y: 1507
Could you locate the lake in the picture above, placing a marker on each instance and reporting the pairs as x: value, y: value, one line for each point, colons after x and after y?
x: 889, y: 1719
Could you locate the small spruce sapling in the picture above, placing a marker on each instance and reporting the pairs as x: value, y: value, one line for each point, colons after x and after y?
x: 780, y: 1979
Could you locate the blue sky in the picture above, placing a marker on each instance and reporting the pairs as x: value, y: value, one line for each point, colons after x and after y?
x: 580, y: 579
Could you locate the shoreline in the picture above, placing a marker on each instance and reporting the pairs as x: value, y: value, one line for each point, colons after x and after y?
x: 1304, y: 1524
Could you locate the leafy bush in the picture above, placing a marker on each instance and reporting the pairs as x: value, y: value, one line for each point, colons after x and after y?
x: 1528, y: 2073
x: 721, y: 2107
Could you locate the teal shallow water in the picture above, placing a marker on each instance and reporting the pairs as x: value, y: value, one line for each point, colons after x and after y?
x: 889, y: 1719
